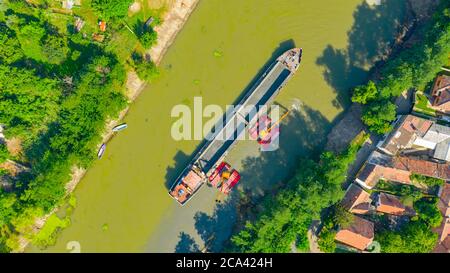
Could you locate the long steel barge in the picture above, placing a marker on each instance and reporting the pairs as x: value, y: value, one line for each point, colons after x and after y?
x: 214, y: 150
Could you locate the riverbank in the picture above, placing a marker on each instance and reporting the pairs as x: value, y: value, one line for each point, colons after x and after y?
x: 173, y: 22
x: 350, y: 123
x: 127, y: 189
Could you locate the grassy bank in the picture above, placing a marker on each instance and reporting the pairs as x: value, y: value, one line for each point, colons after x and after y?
x: 60, y: 83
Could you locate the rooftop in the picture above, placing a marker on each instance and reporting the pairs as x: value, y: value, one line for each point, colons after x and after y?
x: 358, y: 235
x: 444, y: 200
x: 441, y: 93
x: 416, y: 133
x: 423, y: 167
x: 356, y: 200
x: 443, y: 247
x: 406, y: 130
x: 390, y: 204
x: 380, y: 166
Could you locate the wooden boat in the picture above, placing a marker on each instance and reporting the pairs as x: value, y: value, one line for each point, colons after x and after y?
x: 120, y: 127
x: 101, y: 151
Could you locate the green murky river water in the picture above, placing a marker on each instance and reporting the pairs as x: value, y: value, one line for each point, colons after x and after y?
x: 127, y: 189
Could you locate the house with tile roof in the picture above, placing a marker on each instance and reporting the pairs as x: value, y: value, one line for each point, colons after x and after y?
x: 406, y: 129
x: 413, y: 133
x: 440, y: 94
x: 356, y: 200
x: 437, y: 140
x: 444, y: 200
x: 443, y: 245
x: 389, y: 204
x: 399, y: 169
x: 359, y: 234
x: 380, y: 167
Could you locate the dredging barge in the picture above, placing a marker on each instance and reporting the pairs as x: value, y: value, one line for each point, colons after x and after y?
x: 207, y: 163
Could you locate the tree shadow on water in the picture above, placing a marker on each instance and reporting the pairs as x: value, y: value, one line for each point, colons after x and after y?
x: 370, y: 40
x: 186, y: 244
x: 216, y: 229
x: 302, y: 135
x: 181, y: 159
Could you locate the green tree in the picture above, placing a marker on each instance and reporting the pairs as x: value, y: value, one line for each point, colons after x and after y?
x: 30, y: 34
x: 111, y: 9
x: 428, y: 211
x: 4, y: 154
x: 147, y: 70
x: 7, y: 201
x: 341, y: 217
x: 54, y: 48
x: 149, y: 38
x: 327, y: 241
x: 429, y: 181
x: 27, y: 102
x: 378, y: 116
x: 414, y: 237
x: 10, y: 50
x: 365, y: 93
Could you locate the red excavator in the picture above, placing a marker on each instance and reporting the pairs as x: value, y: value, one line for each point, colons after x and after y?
x: 224, y: 178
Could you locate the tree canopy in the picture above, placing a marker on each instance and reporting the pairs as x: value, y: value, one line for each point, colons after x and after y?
x: 379, y: 115
x: 149, y: 38
x: 428, y: 211
x: 27, y: 101
x: 364, y: 93
x: 413, y: 67
x: 414, y: 237
x: 315, y: 186
x: 10, y: 50
x: 111, y: 9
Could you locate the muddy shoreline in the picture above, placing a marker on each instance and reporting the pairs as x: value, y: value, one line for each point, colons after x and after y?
x: 173, y: 22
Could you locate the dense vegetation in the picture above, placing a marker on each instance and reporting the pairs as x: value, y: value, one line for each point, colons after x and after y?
x: 415, y: 236
x: 145, y: 69
x: 57, y: 89
x: 287, y: 215
x: 4, y: 154
x: 411, y: 68
x: 429, y: 181
x: 338, y: 217
x: 108, y: 9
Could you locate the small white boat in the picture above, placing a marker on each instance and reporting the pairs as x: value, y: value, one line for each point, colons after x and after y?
x: 101, y: 151
x: 120, y: 127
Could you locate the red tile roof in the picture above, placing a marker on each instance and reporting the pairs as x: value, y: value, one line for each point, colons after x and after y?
x: 443, y: 247
x: 404, y: 133
x: 372, y: 173
x: 423, y: 167
x: 441, y: 93
x: 388, y: 203
x: 358, y: 235
x: 400, y: 168
x: 102, y: 25
x: 356, y: 200
x: 444, y: 200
